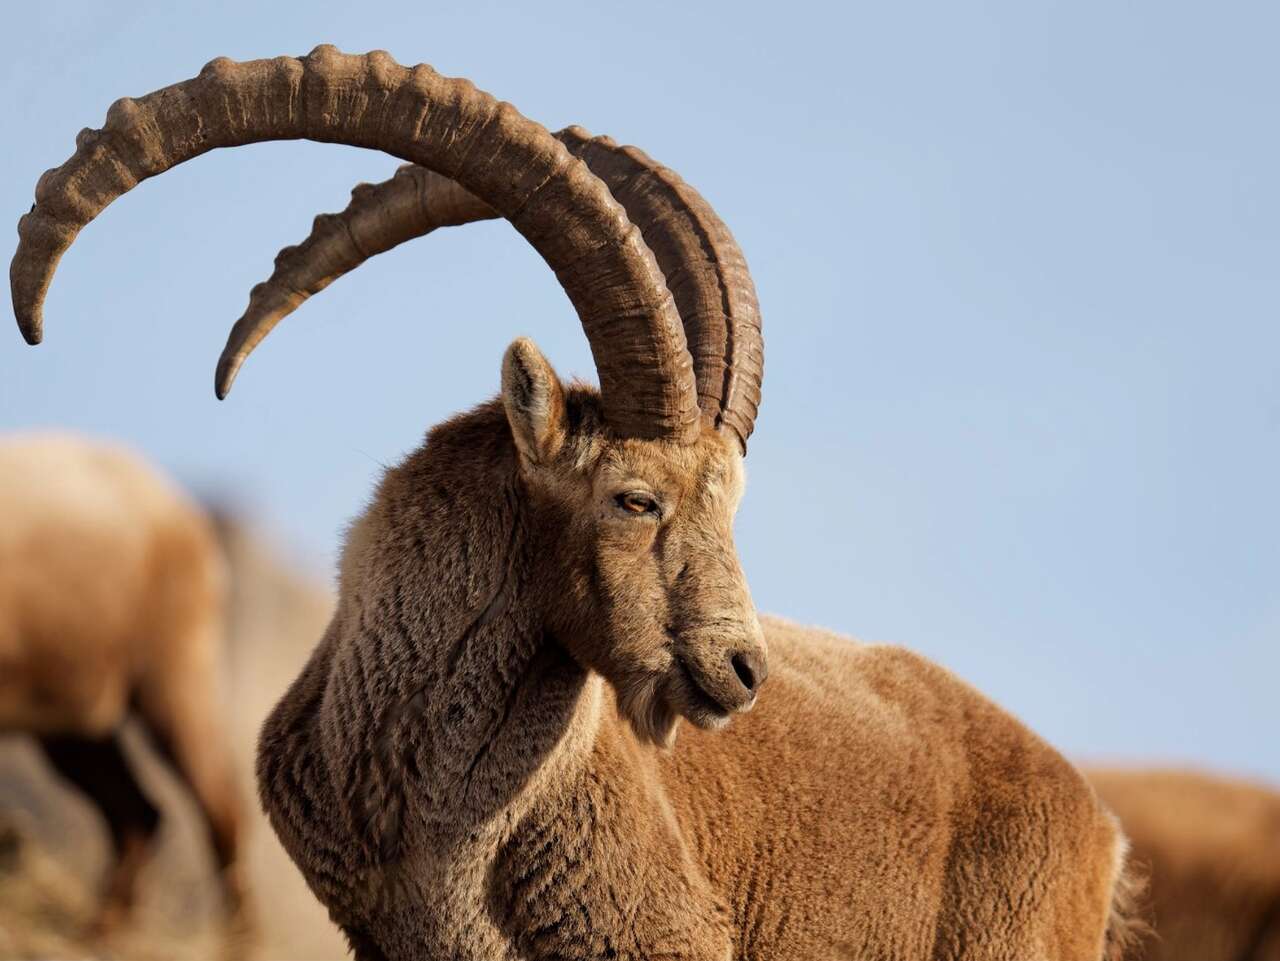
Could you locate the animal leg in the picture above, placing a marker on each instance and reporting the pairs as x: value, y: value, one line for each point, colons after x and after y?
x: 99, y: 769
x: 183, y: 728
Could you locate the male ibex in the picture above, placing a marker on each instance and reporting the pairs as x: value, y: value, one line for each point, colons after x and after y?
x: 111, y: 604
x: 480, y: 759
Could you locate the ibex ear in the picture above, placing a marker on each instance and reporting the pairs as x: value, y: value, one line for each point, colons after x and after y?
x: 534, y: 400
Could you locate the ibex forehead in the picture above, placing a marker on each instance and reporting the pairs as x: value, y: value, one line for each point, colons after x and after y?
x: 711, y: 467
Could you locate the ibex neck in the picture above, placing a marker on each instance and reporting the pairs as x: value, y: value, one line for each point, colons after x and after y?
x: 442, y: 646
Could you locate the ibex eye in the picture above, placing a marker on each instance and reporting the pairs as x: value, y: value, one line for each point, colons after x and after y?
x: 634, y: 502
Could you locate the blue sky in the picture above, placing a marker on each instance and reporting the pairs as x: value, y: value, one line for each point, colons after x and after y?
x: 1017, y: 263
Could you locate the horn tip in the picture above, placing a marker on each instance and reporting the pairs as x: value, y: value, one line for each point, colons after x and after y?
x: 31, y: 324
x: 225, y: 376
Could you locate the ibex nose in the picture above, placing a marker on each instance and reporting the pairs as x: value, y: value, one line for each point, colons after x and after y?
x: 751, y: 669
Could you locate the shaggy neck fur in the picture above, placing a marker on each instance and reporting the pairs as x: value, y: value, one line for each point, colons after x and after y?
x: 458, y: 650
x: 442, y: 704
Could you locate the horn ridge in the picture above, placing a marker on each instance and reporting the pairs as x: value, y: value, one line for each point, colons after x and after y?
x: 701, y: 263
x: 510, y: 163
x: 705, y: 271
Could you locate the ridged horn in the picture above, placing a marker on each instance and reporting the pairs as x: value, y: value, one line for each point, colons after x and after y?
x: 705, y: 271
x: 410, y: 204
x: 446, y: 125
x: 703, y: 265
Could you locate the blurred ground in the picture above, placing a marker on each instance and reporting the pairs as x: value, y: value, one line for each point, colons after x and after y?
x: 53, y: 845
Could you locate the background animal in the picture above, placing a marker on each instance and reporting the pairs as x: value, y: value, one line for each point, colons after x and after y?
x: 452, y: 742
x: 55, y: 850
x: 112, y: 594
x: 1211, y: 849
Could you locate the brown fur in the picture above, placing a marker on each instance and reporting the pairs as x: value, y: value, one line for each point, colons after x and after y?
x: 467, y: 767
x: 1212, y: 849
x: 111, y: 603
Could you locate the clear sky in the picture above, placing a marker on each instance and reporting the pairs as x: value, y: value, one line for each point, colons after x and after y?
x: 1018, y: 267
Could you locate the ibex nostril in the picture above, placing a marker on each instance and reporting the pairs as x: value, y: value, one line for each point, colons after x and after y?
x: 748, y: 669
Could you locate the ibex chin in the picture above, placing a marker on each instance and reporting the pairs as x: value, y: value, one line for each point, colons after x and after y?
x: 111, y: 605
x: 480, y: 759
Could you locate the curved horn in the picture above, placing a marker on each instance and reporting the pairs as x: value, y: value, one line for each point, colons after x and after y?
x: 703, y: 265
x: 705, y: 271
x: 446, y: 125
x: 410, y: 204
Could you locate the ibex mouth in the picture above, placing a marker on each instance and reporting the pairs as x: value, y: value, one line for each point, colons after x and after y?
x: 705, y: 710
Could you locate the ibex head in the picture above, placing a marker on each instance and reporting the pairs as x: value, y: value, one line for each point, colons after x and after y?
x: 639, y: 481
x: 645, y: 586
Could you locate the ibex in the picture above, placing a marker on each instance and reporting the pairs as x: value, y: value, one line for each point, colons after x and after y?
x: 1211, y: 849
x: 480, y: 759
x: 111, y: 605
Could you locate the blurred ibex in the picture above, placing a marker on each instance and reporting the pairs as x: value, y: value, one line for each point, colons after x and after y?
x: 111, y: 605
x: 480, y: 760
x: 1211, y: 848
